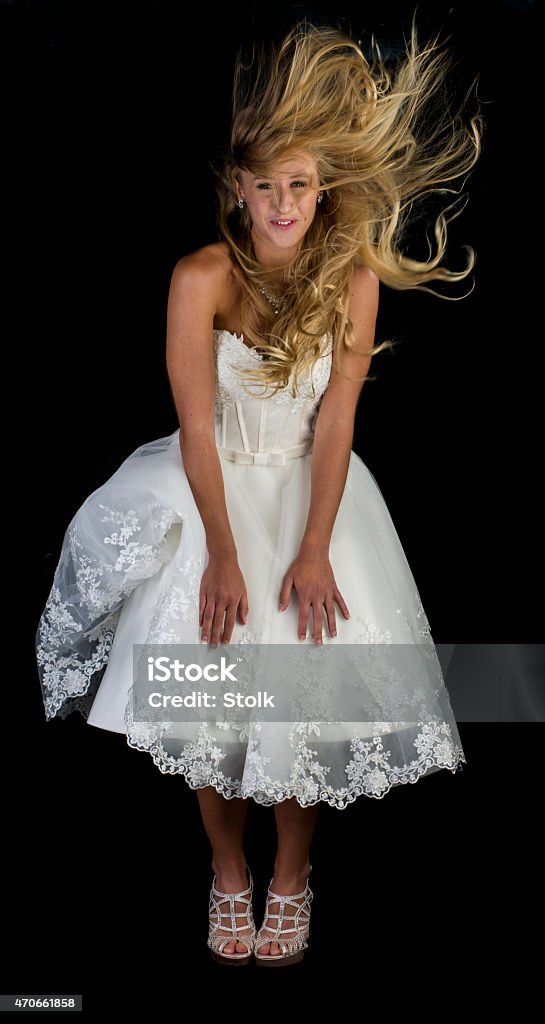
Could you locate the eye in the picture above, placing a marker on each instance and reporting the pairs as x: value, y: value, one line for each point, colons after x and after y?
x: 264, y: 184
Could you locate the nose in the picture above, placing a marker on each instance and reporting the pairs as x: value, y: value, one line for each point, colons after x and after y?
x: 284, y: 199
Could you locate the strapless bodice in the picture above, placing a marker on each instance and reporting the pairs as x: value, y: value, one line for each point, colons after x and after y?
x: 264, y: 431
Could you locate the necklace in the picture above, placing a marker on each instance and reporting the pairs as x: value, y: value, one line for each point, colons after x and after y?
x: 275, y: 302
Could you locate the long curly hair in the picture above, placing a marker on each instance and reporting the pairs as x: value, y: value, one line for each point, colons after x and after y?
x: 379, y: 145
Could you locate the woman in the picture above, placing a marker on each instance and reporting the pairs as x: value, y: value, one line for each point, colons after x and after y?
x: 203, y: 536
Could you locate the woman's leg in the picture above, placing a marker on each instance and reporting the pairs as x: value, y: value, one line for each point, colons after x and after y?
x: 295, y: 826
x: 224, y: 822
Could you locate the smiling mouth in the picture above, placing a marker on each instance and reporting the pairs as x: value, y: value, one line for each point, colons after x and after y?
x: 284, y: 223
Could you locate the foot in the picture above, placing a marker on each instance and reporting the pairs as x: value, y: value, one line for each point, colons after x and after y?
x: 231, y: 881
x: 284, y: 884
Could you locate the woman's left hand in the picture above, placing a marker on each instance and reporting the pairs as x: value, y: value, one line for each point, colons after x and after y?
x: 312, y: 576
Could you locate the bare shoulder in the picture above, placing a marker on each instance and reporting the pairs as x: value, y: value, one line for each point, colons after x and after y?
x: 207, y: 267
x: 214, y: 255
x: 197, y: 296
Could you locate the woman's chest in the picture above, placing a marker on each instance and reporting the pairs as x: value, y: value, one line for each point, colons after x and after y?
x: 233, y: 357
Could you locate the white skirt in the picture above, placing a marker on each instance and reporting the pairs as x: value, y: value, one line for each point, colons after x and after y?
x: 129, y: 573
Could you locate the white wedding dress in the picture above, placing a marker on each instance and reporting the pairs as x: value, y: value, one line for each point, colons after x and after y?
x: 130, y: 570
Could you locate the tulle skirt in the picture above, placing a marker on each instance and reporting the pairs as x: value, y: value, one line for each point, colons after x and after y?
x: 368, y: 709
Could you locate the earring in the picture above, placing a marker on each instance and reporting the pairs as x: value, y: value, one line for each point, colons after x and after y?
x: 241, y: 203
x: 320, y: 196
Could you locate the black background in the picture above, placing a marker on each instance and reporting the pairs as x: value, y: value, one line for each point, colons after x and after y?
x: 117, y: 109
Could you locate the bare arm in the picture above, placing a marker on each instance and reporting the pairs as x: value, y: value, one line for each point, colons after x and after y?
x: 192, y: 375
x: 191, y: 370
x: 311, y: 573
x: 334, y: 431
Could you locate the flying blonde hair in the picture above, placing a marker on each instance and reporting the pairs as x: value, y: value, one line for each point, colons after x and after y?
x: 378, y: 148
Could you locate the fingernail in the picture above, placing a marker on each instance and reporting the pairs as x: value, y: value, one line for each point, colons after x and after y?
x: 333, y: 632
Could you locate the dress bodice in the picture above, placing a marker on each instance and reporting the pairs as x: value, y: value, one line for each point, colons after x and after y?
x: 264, y: 431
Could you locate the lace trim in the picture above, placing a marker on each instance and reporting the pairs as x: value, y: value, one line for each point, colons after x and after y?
x: 231, y: 346
x: 74, y: 636
x: 368, y: 771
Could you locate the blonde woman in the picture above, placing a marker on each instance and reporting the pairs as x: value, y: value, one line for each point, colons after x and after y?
x: 255, y: 523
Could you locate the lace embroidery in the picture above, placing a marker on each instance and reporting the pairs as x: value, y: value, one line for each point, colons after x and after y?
x: 66, y: 677
x: 368, y: 772
x: 74, y: 643
x: 231, y: 351
x: 178, y: 602
x: 368, y: 769
x: 424, y: 629
x: 74, y: 637
x: 96, y: 578
x: 314, y: 695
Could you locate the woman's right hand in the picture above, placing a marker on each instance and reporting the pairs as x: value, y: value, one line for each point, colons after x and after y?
x: 222, y: 594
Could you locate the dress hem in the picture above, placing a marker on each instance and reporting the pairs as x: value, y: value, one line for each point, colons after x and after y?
x: 438, y: 752
x: 379, y: 782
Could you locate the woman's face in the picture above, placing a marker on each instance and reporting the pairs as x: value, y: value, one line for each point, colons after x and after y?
x: 282, y: 206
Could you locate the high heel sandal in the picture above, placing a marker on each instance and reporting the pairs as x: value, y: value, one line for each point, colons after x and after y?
x: 292, y: 948
x: 217, y: 937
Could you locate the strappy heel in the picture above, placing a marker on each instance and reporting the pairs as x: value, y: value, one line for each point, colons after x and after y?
x: 292, y: 940
x: 219, y: 935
